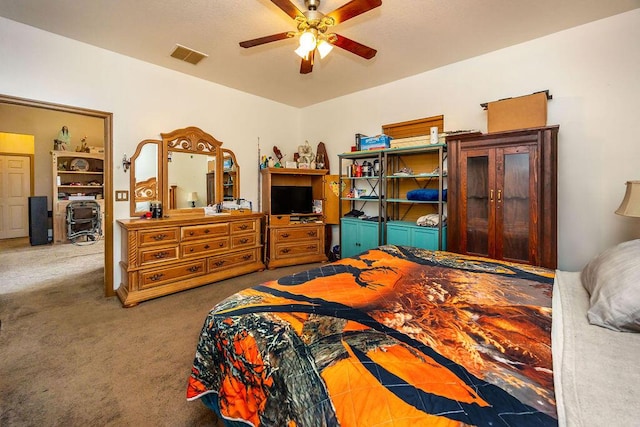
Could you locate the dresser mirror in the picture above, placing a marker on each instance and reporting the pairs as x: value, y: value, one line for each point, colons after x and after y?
x: 187, y: 179
x: 145, y: 185
x: 185, y: 171
x: 230, y: 176
x: 191, y: 154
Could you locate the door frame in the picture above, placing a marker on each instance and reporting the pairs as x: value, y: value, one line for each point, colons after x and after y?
x: 108, y: 172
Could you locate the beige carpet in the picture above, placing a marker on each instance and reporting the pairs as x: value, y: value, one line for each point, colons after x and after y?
x: 71, y: 357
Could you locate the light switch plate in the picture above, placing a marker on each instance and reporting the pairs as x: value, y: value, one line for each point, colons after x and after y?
x: 122, y: 195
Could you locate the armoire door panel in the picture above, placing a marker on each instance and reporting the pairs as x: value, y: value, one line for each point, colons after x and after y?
x: 477, y: 202
x: 515, y: 203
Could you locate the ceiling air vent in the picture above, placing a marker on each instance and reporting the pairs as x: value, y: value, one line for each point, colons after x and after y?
x: 188, y: 55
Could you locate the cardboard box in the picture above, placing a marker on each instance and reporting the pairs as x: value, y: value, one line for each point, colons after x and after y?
x: 413, y: 141
x: 377, y: 142
x: 522, y: 112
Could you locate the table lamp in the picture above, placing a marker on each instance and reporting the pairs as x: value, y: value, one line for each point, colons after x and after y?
x: 630, y: 205
x: 192, y: 198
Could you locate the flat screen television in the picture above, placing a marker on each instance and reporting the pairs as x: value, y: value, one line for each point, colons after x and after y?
x: 286, y: 200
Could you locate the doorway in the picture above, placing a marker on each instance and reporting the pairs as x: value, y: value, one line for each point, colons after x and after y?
x: 15, y: 189
x: 107, y: 120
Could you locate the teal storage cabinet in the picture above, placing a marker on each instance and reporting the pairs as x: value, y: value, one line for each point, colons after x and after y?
x: 357, y: 236
x: 410, y: 234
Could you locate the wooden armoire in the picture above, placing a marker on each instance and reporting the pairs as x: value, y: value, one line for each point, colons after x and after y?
x: 502, y: 195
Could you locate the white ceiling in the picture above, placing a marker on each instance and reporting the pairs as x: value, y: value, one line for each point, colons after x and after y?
x: 411, y: 36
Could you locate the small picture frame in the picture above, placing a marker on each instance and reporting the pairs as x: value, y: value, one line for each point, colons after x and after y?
x: 291, y: 165
x: 227, y: 164
x: 303, y: 165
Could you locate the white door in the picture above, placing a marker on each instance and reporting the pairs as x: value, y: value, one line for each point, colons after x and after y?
x: 15, y: 188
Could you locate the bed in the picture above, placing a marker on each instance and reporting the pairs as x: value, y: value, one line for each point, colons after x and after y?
x: 400, y: 336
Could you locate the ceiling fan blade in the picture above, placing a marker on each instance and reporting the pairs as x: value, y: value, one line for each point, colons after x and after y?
x: 267, y: 39
x: 306, y: 66
x: 288, y: 8
x: 354, y: 47
x: 351, y: 9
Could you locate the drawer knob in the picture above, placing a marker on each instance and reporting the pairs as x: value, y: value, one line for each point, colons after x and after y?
x: 285, y: 235
x: 311, y: 234
x: 159, y: 237
x: 244, y: 240
x: 247, y: 257
x: 206, y: 231
x: 206, y: 246
x: 190, y: 249
x: 156, y: 277
x: 191, y: 233
x: 221, y: 244
x: 219, y: 263
x: 161, y: 255
x: 285, y: 250
x: 311, y: 247
x: 194, y: 268
x: 243, y: 227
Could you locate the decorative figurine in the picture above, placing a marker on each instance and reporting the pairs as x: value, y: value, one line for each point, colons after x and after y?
x: 278, y: 153
x: 305, y: 153
x: 63, y: 139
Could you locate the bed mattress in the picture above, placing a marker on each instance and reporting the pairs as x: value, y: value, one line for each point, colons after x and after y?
x: 596, y: 371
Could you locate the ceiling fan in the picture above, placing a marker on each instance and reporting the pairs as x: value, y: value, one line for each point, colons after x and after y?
x: 312, y: 27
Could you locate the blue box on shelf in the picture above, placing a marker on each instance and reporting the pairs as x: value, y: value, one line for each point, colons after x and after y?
x: 377, y: 142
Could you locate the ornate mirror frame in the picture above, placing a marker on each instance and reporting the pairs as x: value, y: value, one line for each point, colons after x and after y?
x: 192, y: 141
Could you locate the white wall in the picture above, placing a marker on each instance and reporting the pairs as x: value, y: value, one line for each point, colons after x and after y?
x: 593, y: 73
x: 145, y: 100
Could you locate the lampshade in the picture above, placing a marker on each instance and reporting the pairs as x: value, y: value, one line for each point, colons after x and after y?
x: 308, y: 41
x: 192, y: 197
x: 324, y: 48
x: 630, y: 205
x: 301, y: 52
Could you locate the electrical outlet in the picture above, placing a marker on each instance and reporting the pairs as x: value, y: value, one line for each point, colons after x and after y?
x: 122, y: 195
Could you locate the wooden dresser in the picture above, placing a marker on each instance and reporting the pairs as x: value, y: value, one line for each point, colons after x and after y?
x: 168, y: 255
x: 293, y: 242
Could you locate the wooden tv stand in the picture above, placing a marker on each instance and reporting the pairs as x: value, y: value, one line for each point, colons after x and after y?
x: 297, y: 238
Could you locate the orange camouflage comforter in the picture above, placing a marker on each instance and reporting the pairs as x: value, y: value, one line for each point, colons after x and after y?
x: 396, y: 336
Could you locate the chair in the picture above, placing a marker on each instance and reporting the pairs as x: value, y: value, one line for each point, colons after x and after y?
x: 84, y: 222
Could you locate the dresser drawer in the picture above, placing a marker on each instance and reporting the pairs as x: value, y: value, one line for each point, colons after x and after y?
x: 201, y: 247
x: 246, y: 240
x: 200, y: 231
x: 243, y: 226
x: 161, y: 236
x: 312, y: 247
x: 152, y: 278
x: 238, y: 258
x: 155, y: 254
x: 302, y: 233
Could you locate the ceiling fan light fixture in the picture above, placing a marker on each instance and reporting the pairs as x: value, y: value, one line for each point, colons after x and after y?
x: 302, y: 52
x: 308, y: 40
x: 324, y: 48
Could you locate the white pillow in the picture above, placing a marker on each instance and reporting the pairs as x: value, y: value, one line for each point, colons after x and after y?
x: 613, y: 282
